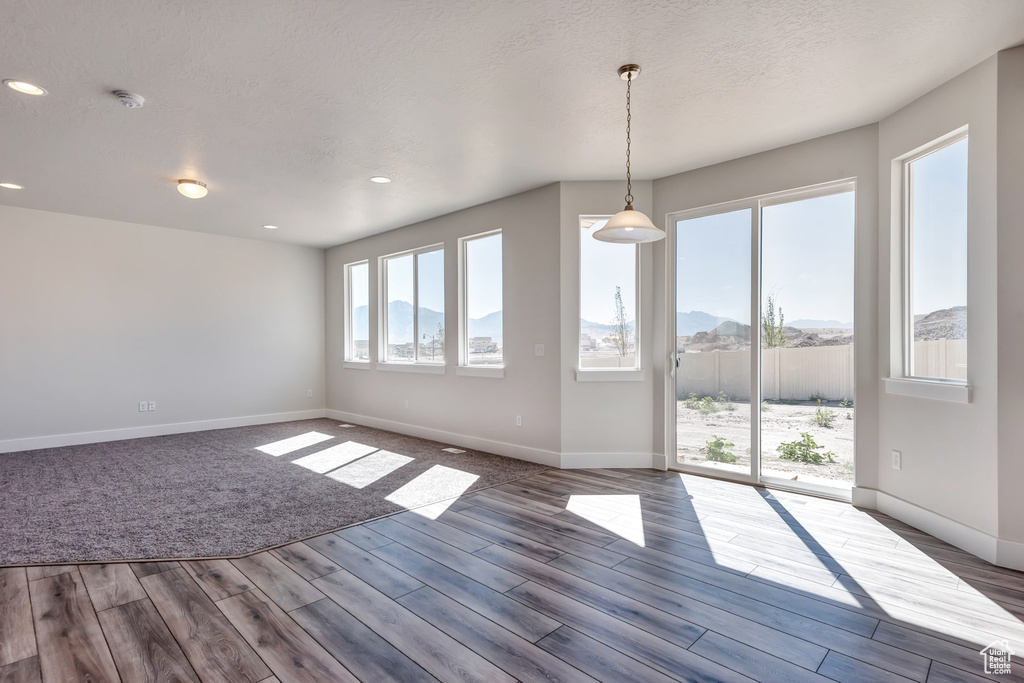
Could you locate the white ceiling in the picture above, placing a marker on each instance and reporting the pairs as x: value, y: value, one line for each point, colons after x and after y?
x: 286, y: 107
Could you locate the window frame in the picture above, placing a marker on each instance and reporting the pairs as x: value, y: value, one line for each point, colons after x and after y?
x: 599, y: 374
x: 349, y: 355
x: 906, y: 370
x: 416, y: 364
x: 496, y: 370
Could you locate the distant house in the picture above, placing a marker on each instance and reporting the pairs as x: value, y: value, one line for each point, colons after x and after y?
x: 733, y: 331
x: 587, y: 342
x: 482, y: 345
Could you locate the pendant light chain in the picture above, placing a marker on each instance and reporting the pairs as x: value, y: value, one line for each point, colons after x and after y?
x: 629, y: 119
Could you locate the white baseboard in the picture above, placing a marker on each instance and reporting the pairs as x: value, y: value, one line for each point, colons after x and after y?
x: 659, y: 462
x: 864, y: 498
x: 1001, y: 552
x: 1010, y: 554
x: 537, y: 455
x: 571, y: 461
x: 79, y: 438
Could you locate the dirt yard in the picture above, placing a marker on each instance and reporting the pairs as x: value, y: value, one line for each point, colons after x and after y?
x: 780, y: 422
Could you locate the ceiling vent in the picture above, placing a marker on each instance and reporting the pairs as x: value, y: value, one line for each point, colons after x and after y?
x: 130, y: 99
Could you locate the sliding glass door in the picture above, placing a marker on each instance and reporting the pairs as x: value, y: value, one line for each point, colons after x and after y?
x: 763, y: 376
x: 713, y: 342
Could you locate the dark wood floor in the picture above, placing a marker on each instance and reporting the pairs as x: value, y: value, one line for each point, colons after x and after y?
x: 613, y: 575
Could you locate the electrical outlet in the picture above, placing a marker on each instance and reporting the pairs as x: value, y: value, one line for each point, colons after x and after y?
x: 538, y: 349
x: 309, y: 393
x: 152, y: 405
x: 519, y: 420
x: 897, y: 460
x: 143, y: 406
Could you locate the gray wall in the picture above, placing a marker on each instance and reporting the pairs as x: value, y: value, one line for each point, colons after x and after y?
x: 98, y: 315
x: 450, y: 406
x: 949, y: 450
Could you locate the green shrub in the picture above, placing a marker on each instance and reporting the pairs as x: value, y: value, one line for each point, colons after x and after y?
x: 804, y: 450
x: 849, y: 416
x: 726, y: 402
x: 717, y: 449
x: 704, y: 404
x: 765, y: 406
x: 846, y: 403
x: 824, y: 417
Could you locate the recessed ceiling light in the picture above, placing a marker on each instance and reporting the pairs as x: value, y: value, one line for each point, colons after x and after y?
x: 382, y: 180
x: 270, y: 227
x: 11, y: 186
x: 23, y: 87
x: 193, y: 189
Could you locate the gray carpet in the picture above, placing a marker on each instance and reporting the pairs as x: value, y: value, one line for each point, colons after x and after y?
x: 209, y: 494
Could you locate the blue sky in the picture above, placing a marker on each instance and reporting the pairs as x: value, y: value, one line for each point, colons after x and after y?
x: 806, y: 260
x: 940, y: 237
x: 483, y: 266
x: 604, y: 266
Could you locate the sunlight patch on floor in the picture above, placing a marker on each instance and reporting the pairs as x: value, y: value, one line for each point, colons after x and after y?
x: 295, y: 443
x: 627, y: 521
x: 364, y: 472
x: 438, y: 481
x: 334, y: 457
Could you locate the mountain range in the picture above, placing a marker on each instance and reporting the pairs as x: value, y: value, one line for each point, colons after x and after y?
x: 805, y: 324
x: 400, y: 323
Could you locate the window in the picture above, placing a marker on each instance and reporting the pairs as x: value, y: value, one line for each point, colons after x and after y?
x: 935, y: 253
x: 357, y: 311
x: 481, y: 332
x: 413, y: 326
x: 609, y: 300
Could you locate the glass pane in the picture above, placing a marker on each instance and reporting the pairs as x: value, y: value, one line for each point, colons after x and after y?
x: 483, y: 301
x: 400, y: 318
x: 938, y: 201
x: 430, y: 267
x: 359, y: 308
x: 807, y: 379
x: 713, y: 341
x: 607, y: 300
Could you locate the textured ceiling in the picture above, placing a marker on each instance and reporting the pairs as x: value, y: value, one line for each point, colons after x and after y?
x: 286, y: 107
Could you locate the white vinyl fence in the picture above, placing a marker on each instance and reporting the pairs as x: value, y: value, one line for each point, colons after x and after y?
x: 800, y: 373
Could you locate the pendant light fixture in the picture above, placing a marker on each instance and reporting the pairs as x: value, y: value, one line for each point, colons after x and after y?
x: 629, y: 226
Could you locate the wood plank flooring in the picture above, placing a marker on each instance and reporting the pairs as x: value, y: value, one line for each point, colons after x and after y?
x: 585, y: 575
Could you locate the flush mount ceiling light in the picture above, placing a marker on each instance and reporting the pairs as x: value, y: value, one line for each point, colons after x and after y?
x: 270, y: 227
x: 193, y: 189
x: 11, y: 186
x: 380, y: 180
x: 629, y: 226
x: 23, y: 87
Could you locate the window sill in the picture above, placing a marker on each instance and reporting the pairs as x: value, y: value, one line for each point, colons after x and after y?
x: 937, y: 390
x: 495, y: 371
x: 356, y: 365
x: 599, y: 375
x: 423, y: 368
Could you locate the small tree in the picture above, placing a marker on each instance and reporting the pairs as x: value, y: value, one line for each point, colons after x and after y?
x: 772, y: 336
x: 622, y: 335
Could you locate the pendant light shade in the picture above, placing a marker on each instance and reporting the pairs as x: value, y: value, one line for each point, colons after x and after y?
x: 629, y: 226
